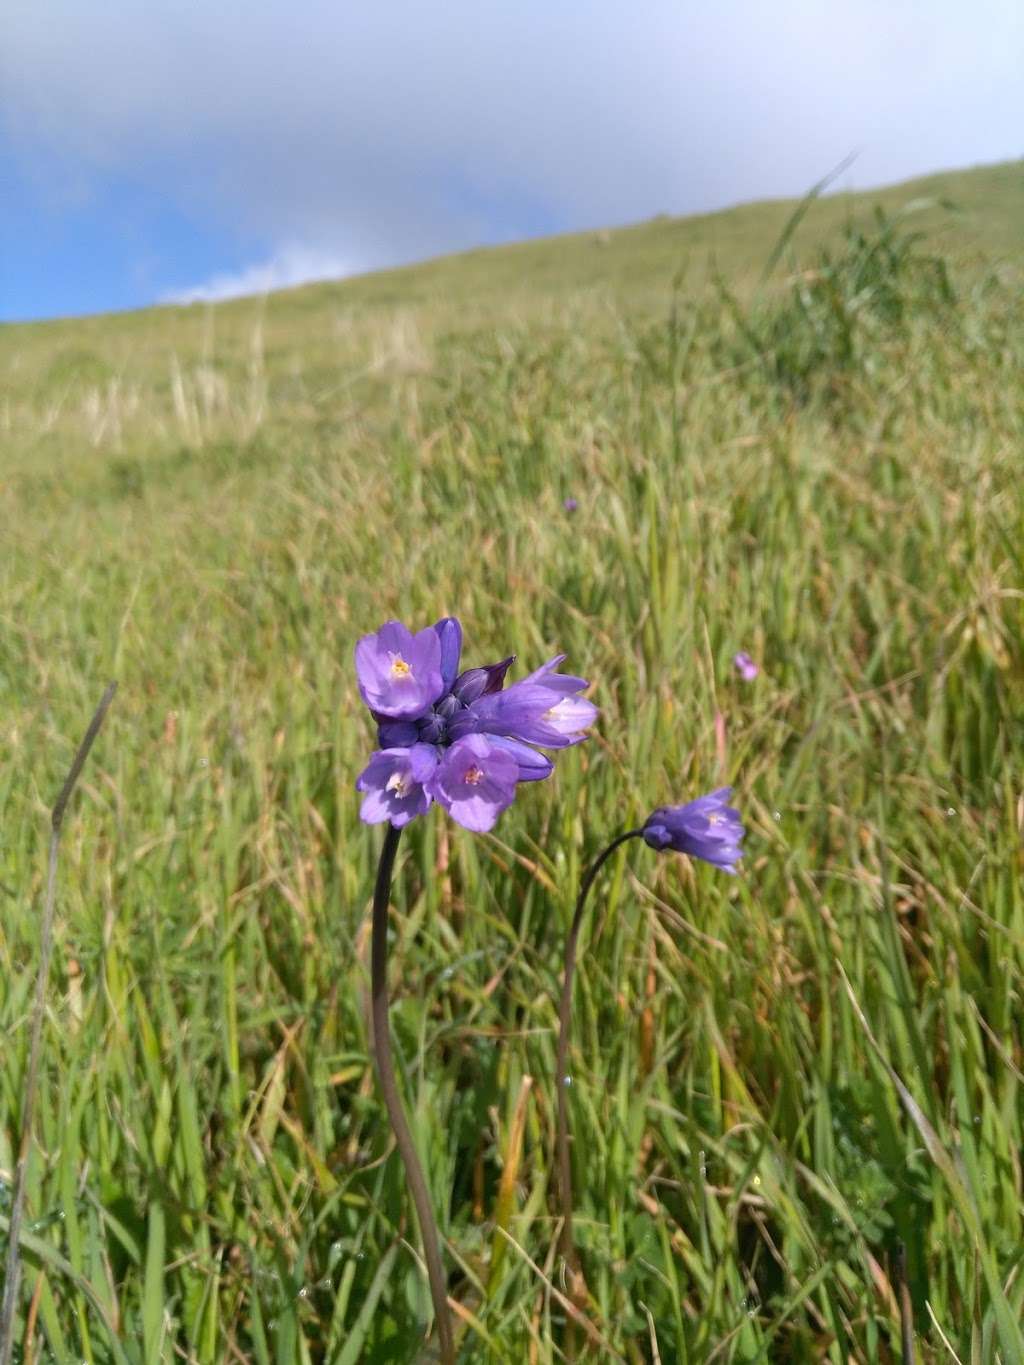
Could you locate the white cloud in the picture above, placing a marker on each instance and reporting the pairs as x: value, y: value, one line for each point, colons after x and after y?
x: 290, y: 266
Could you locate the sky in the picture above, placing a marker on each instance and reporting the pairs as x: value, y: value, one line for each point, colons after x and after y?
x: 173, y: 150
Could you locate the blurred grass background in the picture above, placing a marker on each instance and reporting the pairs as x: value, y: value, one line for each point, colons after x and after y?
x: 211, y: 505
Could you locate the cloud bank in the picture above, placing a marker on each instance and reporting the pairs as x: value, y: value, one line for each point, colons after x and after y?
x: 359, y: 136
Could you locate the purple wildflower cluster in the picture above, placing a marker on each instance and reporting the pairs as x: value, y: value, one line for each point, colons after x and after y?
x: 459, y: 738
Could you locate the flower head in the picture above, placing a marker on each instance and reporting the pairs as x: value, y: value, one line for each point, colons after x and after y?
x: 459, y: 739
x: 706, y: 828
x: 745, y: 666
x: 570, y: 505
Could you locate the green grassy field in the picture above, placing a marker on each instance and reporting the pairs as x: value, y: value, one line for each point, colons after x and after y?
x: 212, y: 505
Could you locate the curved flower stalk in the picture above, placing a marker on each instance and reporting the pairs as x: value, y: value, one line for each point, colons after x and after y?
x: 463, y: 740
x: 708, y: 829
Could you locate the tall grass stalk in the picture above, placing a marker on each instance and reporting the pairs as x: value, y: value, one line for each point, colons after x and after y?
x: 12, y: 1268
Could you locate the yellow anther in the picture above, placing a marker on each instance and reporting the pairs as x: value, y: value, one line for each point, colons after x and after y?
x: 473, y: 776
x: 399, y: 668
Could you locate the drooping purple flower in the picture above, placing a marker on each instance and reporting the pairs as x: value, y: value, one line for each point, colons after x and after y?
x: 707, y: 828
x: 745, y: 666
x: 427, y: 711
x: 570, y: 505
x: 475, y: 781
x: 395, y: 782
x: 400, y: 674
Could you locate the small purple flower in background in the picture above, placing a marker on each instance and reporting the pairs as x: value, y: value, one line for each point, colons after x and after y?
x: 745, y: 666
x: 707, y: 828
x: 570, y: 504
x: 457, y: 738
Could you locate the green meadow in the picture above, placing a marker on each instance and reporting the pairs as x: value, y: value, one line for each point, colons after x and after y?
x: 802, y: 439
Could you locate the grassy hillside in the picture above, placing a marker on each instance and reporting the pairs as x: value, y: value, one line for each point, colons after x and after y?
x: 212, y: 505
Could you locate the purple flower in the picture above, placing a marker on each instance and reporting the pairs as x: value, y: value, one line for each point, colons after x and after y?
x: 400, y: 674
x: 458, y: 738
x: 570, y: 504
x: 745, y: 666
x: 706, y: 828
x: 475, y: 781
x: 395, y: 784
x: 543, y: 709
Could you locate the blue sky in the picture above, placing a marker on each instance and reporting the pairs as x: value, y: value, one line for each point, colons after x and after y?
x: 166, y: 149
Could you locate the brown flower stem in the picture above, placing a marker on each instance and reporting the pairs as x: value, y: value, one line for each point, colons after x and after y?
x: 392, y: 1100
x: 564, y: 1164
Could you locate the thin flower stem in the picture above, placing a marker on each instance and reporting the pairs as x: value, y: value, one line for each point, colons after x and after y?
x: 392, y: 1100
x: 12, y: 1271
x: 566, y: 1245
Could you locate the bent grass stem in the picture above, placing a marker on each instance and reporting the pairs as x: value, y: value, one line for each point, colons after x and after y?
x: 392, y: 1100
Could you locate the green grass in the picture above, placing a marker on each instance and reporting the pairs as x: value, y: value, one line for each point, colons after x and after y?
x: 211, y: 506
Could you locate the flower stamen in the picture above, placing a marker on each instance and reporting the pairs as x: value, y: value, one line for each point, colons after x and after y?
x: 473, y: 776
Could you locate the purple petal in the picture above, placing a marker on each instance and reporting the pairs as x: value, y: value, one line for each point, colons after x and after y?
x: 449, y: 632
x: 562, y: 683
x: 533, y: 767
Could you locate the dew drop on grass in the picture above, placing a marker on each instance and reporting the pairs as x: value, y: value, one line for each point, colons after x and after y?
x: 304, y: 1292
x: 327, y: 1284
x: 950, y: 812
x: 776, y: 815
x: 448, y: 973
x: 567, y: 1080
